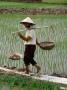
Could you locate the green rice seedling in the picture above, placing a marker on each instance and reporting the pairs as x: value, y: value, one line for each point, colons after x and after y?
x: 53, y: 61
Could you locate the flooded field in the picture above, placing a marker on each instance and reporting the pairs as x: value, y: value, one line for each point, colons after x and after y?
x: 53, y: 61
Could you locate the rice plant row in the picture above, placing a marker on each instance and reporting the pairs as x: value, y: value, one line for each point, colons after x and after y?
x: 53, y: 61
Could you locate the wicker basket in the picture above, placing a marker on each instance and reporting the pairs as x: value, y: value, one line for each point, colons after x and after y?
x: 47, y: 45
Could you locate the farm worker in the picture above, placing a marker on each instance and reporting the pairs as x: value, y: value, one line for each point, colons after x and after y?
x: 30, y: 42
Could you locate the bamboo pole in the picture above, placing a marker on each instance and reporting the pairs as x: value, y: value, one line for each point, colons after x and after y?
x: 31, y: 28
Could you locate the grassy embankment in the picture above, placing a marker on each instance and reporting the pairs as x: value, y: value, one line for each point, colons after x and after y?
x: 46, y: 1
x: 28, y: 5
x: 55, y: 1
x: 27, y: 83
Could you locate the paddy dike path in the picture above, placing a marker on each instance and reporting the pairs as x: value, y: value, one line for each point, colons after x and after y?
x: 35, y: 11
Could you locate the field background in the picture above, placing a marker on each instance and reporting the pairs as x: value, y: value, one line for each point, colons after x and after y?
x: 54, y: 61
x: 48, y: 1
x: 55, y: 1
x: 32, y: 5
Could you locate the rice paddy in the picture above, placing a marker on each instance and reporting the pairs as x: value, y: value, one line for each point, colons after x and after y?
x: 53, y: 61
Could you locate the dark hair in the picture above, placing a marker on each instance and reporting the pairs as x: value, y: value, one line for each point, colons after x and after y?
x: 28, y: 24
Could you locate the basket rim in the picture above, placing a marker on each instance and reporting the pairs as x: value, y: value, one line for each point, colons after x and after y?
x: 47, y: 47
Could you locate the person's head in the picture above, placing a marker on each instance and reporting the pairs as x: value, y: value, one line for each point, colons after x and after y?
x: 27, y: 25
x: 27, y: 22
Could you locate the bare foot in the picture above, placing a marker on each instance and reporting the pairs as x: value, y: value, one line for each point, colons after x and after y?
x: 38, y: 69
x: 26, y: 72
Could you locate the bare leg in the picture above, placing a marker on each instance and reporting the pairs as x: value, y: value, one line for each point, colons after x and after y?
x: 27, y: 69
x: 38, y: 68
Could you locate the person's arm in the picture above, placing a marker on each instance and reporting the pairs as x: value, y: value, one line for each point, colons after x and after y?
x: 23, y: 37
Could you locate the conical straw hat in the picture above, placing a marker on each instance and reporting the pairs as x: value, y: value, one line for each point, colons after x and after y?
x: 27, y: 20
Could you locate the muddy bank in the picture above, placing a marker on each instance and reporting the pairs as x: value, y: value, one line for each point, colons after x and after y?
x: 35, y: 11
